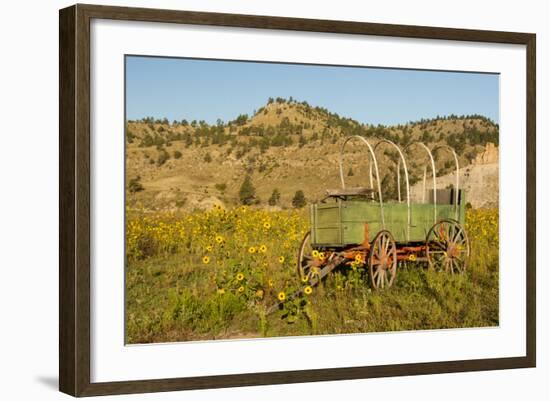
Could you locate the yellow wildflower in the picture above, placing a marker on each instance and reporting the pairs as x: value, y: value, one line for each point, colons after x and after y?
x: 221, y: 291
x: 241, y: 289
x: 308, y: 290
x: 315, y: 253
x: 252, y: 250
x: 240, y: 277
x: 219, y: 239
x: 281, y: 259
x: 209, y: 248
x: 263, y: 248
x: 267, y: 225
x: 260, y: 293
x: 206, y: 260
x: 281, y: 296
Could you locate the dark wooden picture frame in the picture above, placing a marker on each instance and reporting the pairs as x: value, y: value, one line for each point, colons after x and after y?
x: 74, y: 199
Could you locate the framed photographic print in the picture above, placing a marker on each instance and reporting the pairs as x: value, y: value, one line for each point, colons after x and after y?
x: 250, y: 200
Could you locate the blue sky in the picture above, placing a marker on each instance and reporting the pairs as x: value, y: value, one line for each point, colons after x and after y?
x: 193, y: 89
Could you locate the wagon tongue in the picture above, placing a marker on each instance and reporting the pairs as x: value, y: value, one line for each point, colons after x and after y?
x: 330, y: 266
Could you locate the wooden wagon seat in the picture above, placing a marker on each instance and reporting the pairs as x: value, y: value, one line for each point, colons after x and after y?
x: 356, y: 191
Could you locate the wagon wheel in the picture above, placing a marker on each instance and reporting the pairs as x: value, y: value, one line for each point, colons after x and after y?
x: 305, y: 258
x: 447, y: 247
x: 383, y: 260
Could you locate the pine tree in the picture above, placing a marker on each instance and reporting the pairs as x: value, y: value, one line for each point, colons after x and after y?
x: 299, y: 199
x: 275, y: 197
x: 247, y: 192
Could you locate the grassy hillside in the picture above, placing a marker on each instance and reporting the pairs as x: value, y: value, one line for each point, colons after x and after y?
x: 285, y: 145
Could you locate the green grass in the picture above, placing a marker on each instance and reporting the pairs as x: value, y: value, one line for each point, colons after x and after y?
x: 169, y: 301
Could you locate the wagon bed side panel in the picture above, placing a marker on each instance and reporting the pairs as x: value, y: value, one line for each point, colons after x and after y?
x: 355, y: 214
x: 326, y: 227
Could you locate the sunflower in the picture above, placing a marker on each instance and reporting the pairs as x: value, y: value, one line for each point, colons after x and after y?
x: 206, y: 260
x: 209, y: 248
x: 308, y: 290
x: 281, y: 296
x: 358, y: 258
x: 270, y: 283
x: 305, y: 279
x: 412, y: 257
x: 262, y: 248
x: 315, y: 253
x: 240, y: 289
x: 322, y: 255
x: 251, y: 250
x: 281, y: 259
x: 219, y: 239
x: 240, y: 277
x: 267, y: 225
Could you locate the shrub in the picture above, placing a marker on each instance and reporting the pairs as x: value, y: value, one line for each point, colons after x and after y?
x: 163, y: 157
x: 299, y: 199
x: 221, y: 186
x: 130, y: 136
x: 275, y: 197
x: 177, y: 154
x: 135, y: 185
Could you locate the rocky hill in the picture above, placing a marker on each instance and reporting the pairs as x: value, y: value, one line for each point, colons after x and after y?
x: 286, y: 146
x: 480, y: 179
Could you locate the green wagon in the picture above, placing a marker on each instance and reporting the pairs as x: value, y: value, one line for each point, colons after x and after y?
x: 355, y: 225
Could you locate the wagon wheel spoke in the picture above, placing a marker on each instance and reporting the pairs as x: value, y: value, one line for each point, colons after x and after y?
x: 379, y: 278
x: 439, y: 245
x: 448, y: 265
x: 456, y: 236
x: 386, y: 245
x: 378, y: 252
x: 455, y: 266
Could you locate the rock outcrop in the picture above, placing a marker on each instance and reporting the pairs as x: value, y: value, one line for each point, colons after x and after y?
x: 488, y: 156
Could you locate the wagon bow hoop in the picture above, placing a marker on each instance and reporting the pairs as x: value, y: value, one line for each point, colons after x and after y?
x: 374, y: 162
x: 457, y: 173
x: 401, y: 159
x: 432, y: 163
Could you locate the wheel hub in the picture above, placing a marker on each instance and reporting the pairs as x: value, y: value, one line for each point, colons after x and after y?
x: 452, y: 251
